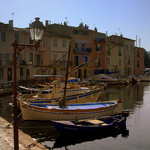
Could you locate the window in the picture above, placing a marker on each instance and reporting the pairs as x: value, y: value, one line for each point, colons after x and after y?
x: 126, y: 46
x: 3, y: 36
x: 1, y: 73
x: 38, y: 59
x: 97, y: 47
x: 54, y: 71
x: 55, y: 42
x: 54, y: 57
x: 20, y: 59
x: 85, y: 58
x: 4, y: 59
x: 138, y: 63
x: 128, y: 59
x: 119, y: 50
x: 16, y: 37
x: 31, y: 58
x: 21, y: 73
x: 108, y: 50
x: 100, y: 48
x: 108, y: 60
x: 6, y: 56
x: 119, y: 62
x: 63, y: 43
x: 99, y: 62
x: 76, y: 60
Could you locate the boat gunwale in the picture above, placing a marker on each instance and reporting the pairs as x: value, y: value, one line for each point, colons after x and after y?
x: 64, y: 110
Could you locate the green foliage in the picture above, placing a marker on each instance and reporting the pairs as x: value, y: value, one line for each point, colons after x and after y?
x: 146, y: 59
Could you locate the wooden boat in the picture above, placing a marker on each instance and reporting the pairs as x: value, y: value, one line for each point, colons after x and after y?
x: 100, y: 124
x: 45, y: 111
x: 53, y: 93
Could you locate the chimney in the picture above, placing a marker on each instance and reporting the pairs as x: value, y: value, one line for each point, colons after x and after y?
x: 11, y: 23
x: 47, y: 22
x: 65, y: 23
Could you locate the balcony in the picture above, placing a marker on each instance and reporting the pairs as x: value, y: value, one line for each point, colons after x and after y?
x: 99, y: 38
x: 82, y: 50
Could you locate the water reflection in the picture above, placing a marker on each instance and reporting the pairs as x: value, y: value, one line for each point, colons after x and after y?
x: 132, y: 95
x: 133, y: 100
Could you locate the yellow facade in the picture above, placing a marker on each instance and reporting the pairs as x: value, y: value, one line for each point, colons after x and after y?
x: 119, y: 55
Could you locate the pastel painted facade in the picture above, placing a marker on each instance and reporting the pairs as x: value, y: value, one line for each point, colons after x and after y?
x: 99, y: 53
x: 114, y: 53
x: 114, y: 50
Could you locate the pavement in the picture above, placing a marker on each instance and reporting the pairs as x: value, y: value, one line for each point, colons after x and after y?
x: 26, y: 142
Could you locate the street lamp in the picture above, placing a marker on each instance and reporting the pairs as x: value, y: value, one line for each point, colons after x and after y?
x: 36, y: 31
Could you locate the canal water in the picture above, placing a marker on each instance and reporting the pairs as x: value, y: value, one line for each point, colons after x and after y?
x: 136, y: 136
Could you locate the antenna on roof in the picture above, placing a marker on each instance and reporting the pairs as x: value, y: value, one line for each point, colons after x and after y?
x: 66, y: 21
x: 12, y: 15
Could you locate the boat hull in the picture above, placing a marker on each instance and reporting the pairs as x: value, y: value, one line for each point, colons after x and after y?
x: 68, y: 127
x: 91, y: 96
x: 32, y: 112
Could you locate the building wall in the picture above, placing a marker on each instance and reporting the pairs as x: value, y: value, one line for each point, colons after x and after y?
x: 129, y: 56
x: 114, y: 50
x: 118, y: 52
x: 99, y: 53
x: 82, y: 47
x: 59, y: 51
x: 138, y: 61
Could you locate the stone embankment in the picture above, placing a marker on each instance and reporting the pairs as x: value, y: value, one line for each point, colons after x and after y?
x: 7, y: 141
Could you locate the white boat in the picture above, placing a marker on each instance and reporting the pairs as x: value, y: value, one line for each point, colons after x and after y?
x: 47, y: 112
x: 96, y: 79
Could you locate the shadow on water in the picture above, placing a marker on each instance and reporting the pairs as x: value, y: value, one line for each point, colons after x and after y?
x: 64, y: 140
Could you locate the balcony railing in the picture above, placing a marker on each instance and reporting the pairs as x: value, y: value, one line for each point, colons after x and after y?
x: 83, y: 50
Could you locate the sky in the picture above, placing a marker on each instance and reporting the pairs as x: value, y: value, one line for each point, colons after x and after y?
x: 129, y: 17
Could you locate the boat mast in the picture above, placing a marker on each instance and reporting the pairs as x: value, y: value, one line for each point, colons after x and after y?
x: 62, y: 102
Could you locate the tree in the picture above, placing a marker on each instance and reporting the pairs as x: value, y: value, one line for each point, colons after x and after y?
x: 146, y: 59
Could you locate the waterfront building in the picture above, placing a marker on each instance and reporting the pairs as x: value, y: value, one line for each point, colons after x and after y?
x: 29, y: 62
x: 81, y: 40
x: 115, y: 53
x: 99, y: 51
x: 58, y: 51
x: 120, y: 56
x: 139, y: 60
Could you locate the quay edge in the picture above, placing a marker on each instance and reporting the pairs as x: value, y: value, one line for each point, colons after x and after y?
x: 25, y: 141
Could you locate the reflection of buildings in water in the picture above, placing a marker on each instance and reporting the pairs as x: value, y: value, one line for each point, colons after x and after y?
x: 131, y: 95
